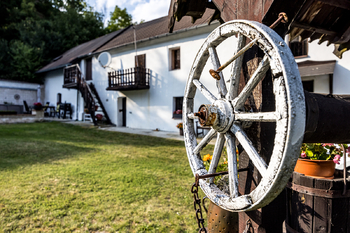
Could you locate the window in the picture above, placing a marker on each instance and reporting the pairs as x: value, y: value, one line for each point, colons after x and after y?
x: 88, y: 70
x: 177, y: 113
x: 175, y: 59
x: 308, y: 85
x: 298, y: 47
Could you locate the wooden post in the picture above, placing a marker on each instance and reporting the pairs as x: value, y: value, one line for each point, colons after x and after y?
x: 269, y: 218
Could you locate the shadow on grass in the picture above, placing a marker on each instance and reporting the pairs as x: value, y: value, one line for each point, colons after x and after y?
x: 26, y: 144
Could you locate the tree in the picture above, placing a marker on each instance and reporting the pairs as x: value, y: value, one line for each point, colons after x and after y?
x: 119, y: 19
x: 33, y: 32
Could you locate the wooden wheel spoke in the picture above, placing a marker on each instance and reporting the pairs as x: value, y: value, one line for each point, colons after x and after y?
x: 232, y: 165
x: 257, y: 116
x: 258, y: 162
x: 238, y: 54
x: 236, y: 70
x: 204, y: 91
x: 208, y: 137
x: 219, y: 145
x: 220, y: 84
x: 257, y: 76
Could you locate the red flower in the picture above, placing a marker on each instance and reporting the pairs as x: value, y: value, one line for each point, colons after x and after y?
x: 336, y: 159
x: 303, y: 155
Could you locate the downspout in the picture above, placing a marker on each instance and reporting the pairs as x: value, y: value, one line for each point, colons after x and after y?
x: 77, y: 106
x: 137, y: 61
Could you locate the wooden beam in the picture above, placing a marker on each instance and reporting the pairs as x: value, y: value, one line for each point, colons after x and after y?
x: 313, y: 28
x: 345, y: 37
x: 266, y: 219
x: 344, y: 4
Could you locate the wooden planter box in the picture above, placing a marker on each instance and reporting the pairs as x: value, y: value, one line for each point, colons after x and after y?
x: 12, y: 107
x: 8, y: 112
x: 317, y: 205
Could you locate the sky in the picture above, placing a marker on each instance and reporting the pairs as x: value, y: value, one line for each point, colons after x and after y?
x: 139, y: 9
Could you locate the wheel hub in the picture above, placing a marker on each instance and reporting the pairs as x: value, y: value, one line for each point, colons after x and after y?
x: 218, y: 115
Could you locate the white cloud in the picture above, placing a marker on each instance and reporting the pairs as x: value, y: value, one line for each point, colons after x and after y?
x: 150, y: 10
x: 101, y: 4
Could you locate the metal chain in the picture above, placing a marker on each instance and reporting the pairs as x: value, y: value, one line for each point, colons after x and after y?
x: 248, y: 226
x: 197, y: 206
x: 203, y: 203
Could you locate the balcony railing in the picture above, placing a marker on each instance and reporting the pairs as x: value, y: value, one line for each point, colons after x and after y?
x: 130, y: 79
x: 72, y: 77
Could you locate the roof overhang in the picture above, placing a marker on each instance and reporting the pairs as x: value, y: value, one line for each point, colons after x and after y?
x: 53, y: 68
x: 325, y: 20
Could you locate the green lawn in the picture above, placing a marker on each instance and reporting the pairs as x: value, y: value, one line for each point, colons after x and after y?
x: 58, y: 177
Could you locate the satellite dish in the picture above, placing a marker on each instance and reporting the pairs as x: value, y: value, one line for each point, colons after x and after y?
x: 105, y: 59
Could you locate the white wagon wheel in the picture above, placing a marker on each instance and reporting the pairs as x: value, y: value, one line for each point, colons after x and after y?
x: 225, y: 114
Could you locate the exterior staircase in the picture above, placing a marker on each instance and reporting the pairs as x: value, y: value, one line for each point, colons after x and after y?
x: 98, y: 102
x: 73, y: 79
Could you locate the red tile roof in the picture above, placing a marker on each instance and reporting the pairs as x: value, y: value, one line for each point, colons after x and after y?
x: 79, y: 51
x: 153, y: 29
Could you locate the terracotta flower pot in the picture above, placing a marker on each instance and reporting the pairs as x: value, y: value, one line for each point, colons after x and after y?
x: 316, y: 168
x: 181, y: 132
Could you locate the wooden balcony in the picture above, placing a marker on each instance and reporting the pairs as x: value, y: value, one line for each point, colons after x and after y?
x: 136, y: 78
x: 72, y: 76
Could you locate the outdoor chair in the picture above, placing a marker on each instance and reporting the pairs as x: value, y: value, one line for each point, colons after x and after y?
x: 27, y: 109
x: 46, y: 113
x: 87, y: 117
x: 64, y: 109
x: 58, y: 111
x: 52, y: 111
x: 202, y: 128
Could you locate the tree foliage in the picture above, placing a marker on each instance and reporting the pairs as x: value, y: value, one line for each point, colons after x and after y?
x: 33, y: 32
x: 119, y: 19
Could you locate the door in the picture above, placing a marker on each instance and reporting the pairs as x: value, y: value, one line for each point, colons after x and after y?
x: 122, y: 110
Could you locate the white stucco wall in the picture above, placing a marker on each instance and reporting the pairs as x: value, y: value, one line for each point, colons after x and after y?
x: 26, y: 91
x: 53, y: 86
x: 341, y: 75
x: 153, y: 108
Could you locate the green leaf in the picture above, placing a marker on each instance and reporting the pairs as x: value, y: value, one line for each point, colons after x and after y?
x: 309, y: 153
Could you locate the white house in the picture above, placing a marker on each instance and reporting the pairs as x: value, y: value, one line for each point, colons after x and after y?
x: 168, y: 59
x: 167, y: 56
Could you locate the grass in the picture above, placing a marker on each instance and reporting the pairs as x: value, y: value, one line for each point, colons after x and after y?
x: 58, y: 177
